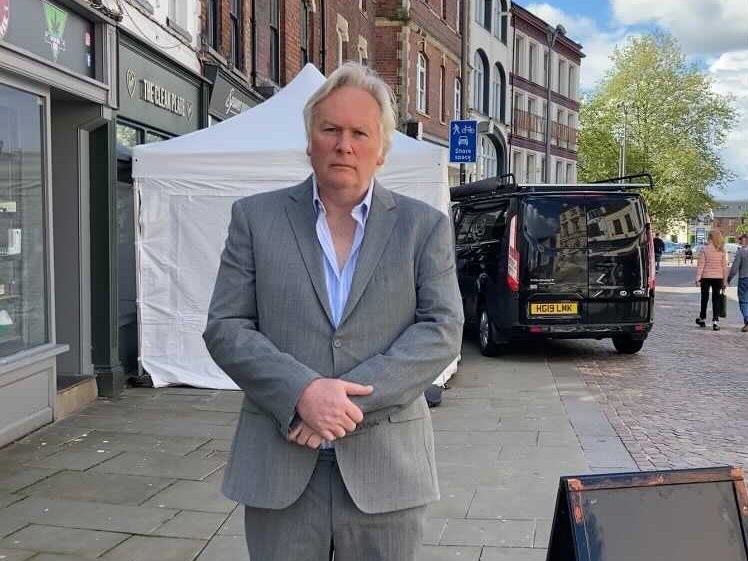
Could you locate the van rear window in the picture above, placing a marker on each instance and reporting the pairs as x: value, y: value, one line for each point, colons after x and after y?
x: 556, y: 222
x: 573, y: 222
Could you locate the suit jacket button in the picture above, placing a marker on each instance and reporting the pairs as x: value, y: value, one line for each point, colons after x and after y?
x: 337, y: 343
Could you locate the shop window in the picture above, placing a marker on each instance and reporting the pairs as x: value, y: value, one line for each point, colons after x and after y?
x: 23, y: 270
x: 274, y: 42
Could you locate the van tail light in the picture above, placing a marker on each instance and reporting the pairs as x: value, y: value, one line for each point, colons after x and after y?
x: 652, y: 266
x: 512, y: 277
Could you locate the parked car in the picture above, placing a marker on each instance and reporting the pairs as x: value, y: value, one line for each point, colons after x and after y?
x: 554, y: 261
x: 732, y: 249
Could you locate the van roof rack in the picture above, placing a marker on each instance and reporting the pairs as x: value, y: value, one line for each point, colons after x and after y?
x: 507, y: 183
x: 485, y: 188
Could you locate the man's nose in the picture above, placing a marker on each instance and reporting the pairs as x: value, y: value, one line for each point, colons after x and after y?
x: 344, y: 142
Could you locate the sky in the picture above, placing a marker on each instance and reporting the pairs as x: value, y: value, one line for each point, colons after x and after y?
x: 712, y: 33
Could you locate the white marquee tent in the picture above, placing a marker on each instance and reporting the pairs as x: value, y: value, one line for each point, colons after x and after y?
x: 184, y: 188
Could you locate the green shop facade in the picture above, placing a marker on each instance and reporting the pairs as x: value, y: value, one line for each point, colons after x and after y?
x: 158, y: 99
x: 56, y: 96
x: 76, y: 93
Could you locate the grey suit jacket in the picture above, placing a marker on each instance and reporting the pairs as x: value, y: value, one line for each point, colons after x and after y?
x: 269, y: 328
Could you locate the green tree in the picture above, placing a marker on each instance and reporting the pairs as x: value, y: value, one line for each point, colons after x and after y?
x: 676, y: 123
x: 743, y: 226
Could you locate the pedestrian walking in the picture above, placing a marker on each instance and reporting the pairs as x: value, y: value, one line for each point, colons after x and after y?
x: 687, y: 254
x: 739, y: 270
x: 659, y: 247
x: 711, y: 275
x: 336, y: 305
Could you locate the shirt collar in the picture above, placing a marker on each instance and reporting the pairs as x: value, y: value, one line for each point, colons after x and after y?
x: 359, y: 212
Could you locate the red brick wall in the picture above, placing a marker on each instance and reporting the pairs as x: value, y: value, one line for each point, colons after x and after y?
x: 224, y: 30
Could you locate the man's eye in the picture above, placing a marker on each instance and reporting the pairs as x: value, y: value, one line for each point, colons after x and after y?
x: 360, y: 133
x: 329, y: 129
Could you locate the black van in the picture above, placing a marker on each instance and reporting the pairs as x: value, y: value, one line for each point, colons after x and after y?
x: 560, y: 261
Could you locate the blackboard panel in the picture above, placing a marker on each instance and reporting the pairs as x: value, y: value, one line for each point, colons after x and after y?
x: 674, y: 515
x: 697, y: 521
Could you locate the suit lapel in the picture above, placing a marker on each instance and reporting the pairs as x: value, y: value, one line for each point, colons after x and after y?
x: 301, y: 215
x: 379, y: 226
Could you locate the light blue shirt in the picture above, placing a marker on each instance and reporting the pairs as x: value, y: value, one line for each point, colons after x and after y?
x: 339, y: 281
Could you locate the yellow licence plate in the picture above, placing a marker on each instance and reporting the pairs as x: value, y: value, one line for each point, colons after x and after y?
x: 554, y: 309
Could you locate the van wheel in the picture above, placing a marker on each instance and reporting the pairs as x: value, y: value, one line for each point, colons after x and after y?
x: 628, y: 346
x: 488, y: 346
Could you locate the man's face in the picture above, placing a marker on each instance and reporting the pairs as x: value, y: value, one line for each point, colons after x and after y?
x: 744, y: 241
x: 345, y: 145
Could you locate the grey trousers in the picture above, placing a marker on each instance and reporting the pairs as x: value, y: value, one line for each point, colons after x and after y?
x: 326, y: 520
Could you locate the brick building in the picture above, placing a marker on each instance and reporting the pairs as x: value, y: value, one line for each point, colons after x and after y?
x: 728, y: 215
x: 418, y: 52
x: 530, y: 94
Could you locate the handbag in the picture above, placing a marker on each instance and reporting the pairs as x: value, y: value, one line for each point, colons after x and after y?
x: 722, y: 304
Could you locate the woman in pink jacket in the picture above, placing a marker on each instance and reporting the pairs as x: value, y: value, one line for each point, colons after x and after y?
x: 711, y: 273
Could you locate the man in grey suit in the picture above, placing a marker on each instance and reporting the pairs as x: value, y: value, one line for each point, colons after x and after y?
x: 336, y: 305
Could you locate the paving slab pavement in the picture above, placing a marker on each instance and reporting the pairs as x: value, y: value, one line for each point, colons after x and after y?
x: 139, y: 478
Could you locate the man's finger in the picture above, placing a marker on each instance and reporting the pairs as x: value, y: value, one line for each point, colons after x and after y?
x: 327, y: 435
x: 351, y: 388
x: 314, y: 441
x: 354, y: 413
x: 295, y: 432
x: 339, y: 431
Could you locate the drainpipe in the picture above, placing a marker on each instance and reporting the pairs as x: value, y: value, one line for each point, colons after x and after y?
x: 464, y: 71
x: 254, y: 45
x: 323, y: 36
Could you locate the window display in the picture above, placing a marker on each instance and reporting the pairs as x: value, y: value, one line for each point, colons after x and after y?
x: 23, y: 273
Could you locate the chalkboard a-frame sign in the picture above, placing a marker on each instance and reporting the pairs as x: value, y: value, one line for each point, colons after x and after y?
x: 677, y: 515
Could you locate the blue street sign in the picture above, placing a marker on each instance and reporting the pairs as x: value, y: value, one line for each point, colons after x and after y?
x: 463, y: 142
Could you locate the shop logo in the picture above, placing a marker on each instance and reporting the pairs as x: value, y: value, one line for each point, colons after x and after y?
x: 4, y: 17
x: 132, y: 82
x: 233, y: 104
x: 188, y: 109
x: 56, y: 19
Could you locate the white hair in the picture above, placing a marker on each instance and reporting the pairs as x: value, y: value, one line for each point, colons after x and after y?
x: 355, y: 75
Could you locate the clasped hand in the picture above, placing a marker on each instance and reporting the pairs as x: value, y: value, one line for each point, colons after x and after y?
x: 327, y: 411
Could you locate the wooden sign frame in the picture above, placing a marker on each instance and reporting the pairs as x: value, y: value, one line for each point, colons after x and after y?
x: 568, y: 541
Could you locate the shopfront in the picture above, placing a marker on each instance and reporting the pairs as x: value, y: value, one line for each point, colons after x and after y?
x: 53, y: 93
x: 229, y: 96
x: 158, y: 99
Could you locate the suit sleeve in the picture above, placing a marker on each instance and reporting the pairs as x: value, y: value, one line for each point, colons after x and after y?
x: 431, y: 343
x: 735, y: 266
x: 271, y: 379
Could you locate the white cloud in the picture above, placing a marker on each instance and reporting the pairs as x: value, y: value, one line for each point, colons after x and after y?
x: 597, y: 43
x: 730, y: 75
x: 702, y: 27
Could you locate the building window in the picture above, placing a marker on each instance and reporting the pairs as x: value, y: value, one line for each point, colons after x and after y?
x: 342, y: 29
x: 304, y: 33
x: 444, y: 9
x: 487, y: 13
x: 487, y: 160
x: 570, y: 173
x: 362, y: 6
x: 211, y: 24
x: 457, y: 99
x: 559, y: 171
x: 532, y: 56
x: 530, y: 171
x: 274, y: 42
x: 422, y: 83
x: 572, y: 82
x: 542, y: 170
x: 562, y: 77
x: 481, y: 81
x: 480, y: 11
x: 236, y: 33
x: 517, y: 164
x: 496, y: 93
x: 519, y: 51
x: 442, y: 93
x: 500, y: 20
x: 178, y: 12
x: 458, y: 16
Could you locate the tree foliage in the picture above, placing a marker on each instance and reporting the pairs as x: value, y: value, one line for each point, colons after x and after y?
x: 743, y: 226
x: 676, y: 124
